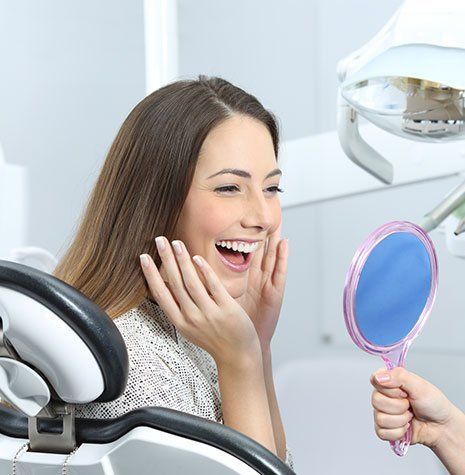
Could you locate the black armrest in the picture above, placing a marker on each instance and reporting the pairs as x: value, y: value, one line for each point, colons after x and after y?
x: 101, y: 431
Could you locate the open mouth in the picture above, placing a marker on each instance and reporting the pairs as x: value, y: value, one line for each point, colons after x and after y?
x: 235, y: 260
x: 235, y: 257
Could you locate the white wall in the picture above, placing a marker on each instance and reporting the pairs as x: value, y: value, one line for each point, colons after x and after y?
x: 285, y: 52
x: 70, y: 73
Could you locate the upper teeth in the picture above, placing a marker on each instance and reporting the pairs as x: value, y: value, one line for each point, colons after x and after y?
x: 239, y: 245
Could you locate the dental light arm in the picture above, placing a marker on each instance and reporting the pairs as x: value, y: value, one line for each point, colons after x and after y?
x: 451, y: 202
x: 359, y: 151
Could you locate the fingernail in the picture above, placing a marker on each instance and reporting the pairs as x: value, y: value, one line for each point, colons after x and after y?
x: 198, y: 260
x: 383, y: 377
x: 177, y: 247
x: 144, y: 260
x: 160, y: 243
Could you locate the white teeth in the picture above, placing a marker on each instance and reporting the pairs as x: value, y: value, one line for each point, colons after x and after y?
x: 239, y: 245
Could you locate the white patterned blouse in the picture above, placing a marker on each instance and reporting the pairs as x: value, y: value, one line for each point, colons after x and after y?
x: 165, y: 369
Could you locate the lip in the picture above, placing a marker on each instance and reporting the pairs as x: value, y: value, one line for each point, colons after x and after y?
x: 236, y: 267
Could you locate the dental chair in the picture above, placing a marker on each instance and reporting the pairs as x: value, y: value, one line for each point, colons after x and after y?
x: 57, y: 349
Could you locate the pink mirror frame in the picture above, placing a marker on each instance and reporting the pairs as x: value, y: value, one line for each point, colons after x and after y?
x: 393, y: 355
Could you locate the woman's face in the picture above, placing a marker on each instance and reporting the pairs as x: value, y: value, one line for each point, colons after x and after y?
x: 238, y: 205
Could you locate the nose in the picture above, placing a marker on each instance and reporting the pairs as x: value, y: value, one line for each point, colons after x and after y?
x: 258, y: 212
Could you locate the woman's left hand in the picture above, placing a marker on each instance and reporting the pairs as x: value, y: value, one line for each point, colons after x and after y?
x: 265, y: 287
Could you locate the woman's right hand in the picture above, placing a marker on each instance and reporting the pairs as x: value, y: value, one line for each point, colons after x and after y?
x: 206, y: 315
x: 401, y: 398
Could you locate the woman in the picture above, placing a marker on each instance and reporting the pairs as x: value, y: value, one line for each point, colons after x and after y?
x: 194, y: 163
x: 401, y: 399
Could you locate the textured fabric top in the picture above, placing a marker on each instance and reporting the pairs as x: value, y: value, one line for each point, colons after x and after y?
x: 165, y: 369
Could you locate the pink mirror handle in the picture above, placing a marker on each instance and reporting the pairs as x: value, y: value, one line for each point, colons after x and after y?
x: 399, y: 447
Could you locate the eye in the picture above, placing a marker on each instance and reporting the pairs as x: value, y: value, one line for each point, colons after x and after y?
x: 228, y: 188
x: 275, y: 189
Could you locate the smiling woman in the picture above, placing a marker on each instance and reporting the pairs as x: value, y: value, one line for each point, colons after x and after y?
x: 194, y: 163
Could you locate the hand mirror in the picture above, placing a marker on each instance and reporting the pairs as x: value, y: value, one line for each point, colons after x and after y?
x: 389, y: 292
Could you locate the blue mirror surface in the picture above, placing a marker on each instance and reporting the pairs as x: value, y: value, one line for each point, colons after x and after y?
x: 393, y: 289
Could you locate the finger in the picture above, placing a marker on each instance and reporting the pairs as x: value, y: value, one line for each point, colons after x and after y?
x: 191, y: 279
x: 268, y: 262
x: 160, y: 291
x: 277, y: 231
x: 396, y: 393
x: 214, y: 285
x: 173, y: 274
x: 388, y: 404
x: 410, y: 383
x: 278, y: 278
x: 390, y: 421
x: 391, y: 392
x: 255, y: 269
x: 391, y: 434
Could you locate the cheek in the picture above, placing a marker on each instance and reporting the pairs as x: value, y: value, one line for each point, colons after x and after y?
x: 211, y: 220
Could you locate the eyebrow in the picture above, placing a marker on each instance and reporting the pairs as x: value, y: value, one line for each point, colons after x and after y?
x: 243, y: 173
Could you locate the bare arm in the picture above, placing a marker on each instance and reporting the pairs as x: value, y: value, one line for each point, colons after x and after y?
x: 278, y: 428
x: 244, y: 398
x: 450, y: 447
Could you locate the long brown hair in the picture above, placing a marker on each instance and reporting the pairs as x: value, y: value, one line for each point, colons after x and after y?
x: 143, y: 185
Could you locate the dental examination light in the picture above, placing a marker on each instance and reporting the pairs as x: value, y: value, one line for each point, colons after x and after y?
x: 408, y: 80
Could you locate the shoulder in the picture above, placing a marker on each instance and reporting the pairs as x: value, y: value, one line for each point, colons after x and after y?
x: 146, y: 321
x: 146, y: 332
